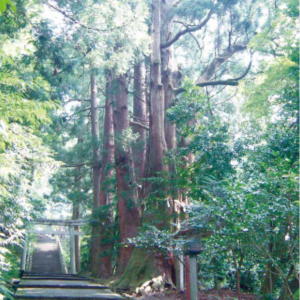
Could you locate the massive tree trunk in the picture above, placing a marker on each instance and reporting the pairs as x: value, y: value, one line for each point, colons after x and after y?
x: 151, y: 266
x: 156, y: 166
x: 108, y: 147
x: 157, y: 212
x: 170, y: 80
x: 128, y: 212
x: 157, y: 141
x: 139, y: 121
x: 102, y: 266
x: 95, y: 139
x: 168, y: 69
x: 96, y: 168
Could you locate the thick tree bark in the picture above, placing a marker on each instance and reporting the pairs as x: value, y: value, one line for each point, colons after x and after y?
x: 153, y: 266
x: 102, y: 266
x: 139, y: 115
x: 108, y: 147
x: 170, y: 80
x: 95, y: 140
x: 128, y: 211
x: 157, y: 146
x: 157, y: 142
x: 168, y: 68
x: 96, y: 168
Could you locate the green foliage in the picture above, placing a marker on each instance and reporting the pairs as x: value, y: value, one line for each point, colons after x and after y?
x: 241, y: 183
x: 187, y: 9
x: 5, y: 4
x: 208, y: 141
x: 25, y: 161
x: 277, y: 86
x: 244, y: 192
x: 157, y: 241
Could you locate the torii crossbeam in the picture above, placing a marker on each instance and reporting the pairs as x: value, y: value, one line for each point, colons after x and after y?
x: 72, y: 231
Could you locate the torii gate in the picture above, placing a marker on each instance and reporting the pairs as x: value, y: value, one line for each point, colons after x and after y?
x: 72, y: 232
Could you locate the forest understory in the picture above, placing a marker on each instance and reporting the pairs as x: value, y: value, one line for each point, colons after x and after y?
x: 207, y: 295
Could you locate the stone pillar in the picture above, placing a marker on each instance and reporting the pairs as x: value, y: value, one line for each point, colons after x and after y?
x: 187, y: 278
x: 180, y: 273
x: 193, y: 278
x: 192, y: 249
x: 72, y: 251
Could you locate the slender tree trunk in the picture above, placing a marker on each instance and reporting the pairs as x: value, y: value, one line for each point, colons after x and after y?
x: 290, y: 286
x: 96, y: 169
x: 128, y: 211
x: 238, y: 266
x: 108, y: 147
x: 95, y: 140
x: 170, y: 80
x: 269, y: 280
x: 157, y: 140
x: 139, y: 117
x: 168, y: 68
x: 102, y: 266
x: 271, y: 273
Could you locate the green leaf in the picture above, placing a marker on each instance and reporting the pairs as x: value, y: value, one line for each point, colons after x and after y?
x: 3, y: 5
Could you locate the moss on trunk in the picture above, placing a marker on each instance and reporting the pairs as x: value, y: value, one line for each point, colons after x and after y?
x: 141, y: 267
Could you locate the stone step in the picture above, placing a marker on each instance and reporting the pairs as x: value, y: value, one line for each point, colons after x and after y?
x: 65, y: 293
x: 46, y: 280
x: 54, y: 277
x: 55, y: 283
x: 27, y: 273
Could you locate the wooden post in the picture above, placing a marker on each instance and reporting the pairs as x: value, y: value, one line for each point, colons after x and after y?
x: 77, y: 247
x: 193, y: 278
x: 72, y: 251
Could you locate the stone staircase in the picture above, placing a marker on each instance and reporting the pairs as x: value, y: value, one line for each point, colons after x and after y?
x: 47, y: 281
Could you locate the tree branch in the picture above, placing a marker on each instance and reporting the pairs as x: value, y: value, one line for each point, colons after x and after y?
x: 219, y: 60
x: 77, y: 165
x: 218, y: 82
x: 71, y: 18
x: 231, y: 81
x: 76, y: 100
x: 134, y: 123
x: 191, y: 34
x: 187, y: 30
